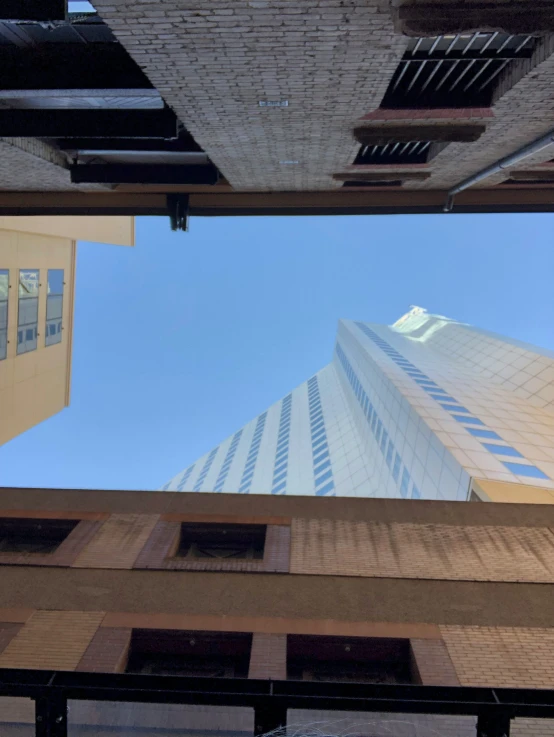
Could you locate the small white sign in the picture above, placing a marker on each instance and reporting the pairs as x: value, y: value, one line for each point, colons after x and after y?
x: 273, y: 103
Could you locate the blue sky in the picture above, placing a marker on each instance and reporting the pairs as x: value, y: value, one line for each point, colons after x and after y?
x: 181, y: 340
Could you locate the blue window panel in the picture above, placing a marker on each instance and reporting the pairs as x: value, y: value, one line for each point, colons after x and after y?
x: 282, y: 446
x: 489, y: 434
x: 384, y: 439
x: 281, y: 455
x: 327, y: 475
x: 438, y: 390
x: 319, y: 446
x: 318, y: 435
x: 396, y: 467
x: 416, y: 493
x: 321, y: 457
x: 247, y: 476
x: 404, y: 484
x: 325, y: 489
x: 280, y: 468
x: 249, y: 466
x: 317, y: 426
x: 503, y: 450
x: 425, y: 382
x: 390, y: 451
x: 379, y: 428
x: 453, y: 407
x: 521, y: 469
x: 373, y: 422
x: 277, y: 479
x: 440, y: 397
x: 468, y: 420
x: 322, y: 467
x: 414, y: 373
x: 278, y: 489
x: 244, y: 488
x: 315, y: 406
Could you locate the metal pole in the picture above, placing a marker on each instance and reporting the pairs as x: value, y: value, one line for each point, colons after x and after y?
x: 505, y: 163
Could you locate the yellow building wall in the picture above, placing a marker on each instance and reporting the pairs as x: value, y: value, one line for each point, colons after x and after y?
x: 118, y: 230
x: 500, y: 491
x: 35, y: 385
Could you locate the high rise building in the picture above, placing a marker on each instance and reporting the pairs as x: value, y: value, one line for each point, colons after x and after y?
x: 427, y: 408
x: 37, y: 278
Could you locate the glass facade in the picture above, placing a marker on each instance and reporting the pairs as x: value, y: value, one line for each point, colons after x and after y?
x: 54, y: 307
x: 27, y: 314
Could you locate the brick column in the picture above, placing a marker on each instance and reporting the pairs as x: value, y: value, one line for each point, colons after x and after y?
x: 277, y: 549
x: 268, y: 658
x: 433, y: 663
x: 107, y: 651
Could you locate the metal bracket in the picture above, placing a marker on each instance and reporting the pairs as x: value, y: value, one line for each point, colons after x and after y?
x: 178, y: 206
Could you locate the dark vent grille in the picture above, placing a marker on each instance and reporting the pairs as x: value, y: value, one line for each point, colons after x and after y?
x: 358, y: 183
x: 454, y: 71
x: 413, y: 152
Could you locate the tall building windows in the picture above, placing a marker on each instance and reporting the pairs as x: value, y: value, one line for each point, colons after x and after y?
x: 323, y: 475
x: 279, y: 483
x: 54, y: 307
x: 27, y: 317
x: 224, y: 470
x: 250, y: 465
x: 185, y: 478
x: 4, y: 289
x: 205, y: 468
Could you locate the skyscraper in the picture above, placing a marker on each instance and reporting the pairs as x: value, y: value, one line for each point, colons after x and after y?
x: 427, y: 408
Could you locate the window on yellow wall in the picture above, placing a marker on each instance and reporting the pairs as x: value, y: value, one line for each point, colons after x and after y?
x: 4, y: 289
x: 27, y: 318
x: 54, y: 307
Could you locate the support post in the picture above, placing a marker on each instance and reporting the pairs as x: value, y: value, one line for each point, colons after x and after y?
x: 493, y: 725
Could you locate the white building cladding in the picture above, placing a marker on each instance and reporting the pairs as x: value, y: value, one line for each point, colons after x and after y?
x: 412, y: 410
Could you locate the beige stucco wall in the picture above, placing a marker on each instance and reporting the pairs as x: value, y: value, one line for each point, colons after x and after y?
x: 35, y: 385
x: 499, y: 491
x: 114, y: 229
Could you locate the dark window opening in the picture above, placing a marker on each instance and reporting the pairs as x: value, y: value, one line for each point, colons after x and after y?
x: 454, y: 71
x: 221, y: 541
x: 387, y: 183
x: 33, y: 535
x: 349, y: 659
x: 190, y: 653
x: 534, y: 182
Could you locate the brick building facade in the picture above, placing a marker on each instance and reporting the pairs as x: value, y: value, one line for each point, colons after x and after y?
x: 369, y: 590
x: 252, y: 106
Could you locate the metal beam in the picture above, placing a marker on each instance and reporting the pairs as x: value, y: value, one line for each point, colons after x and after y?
x: 143, y: 174
x: 184, y: 144
x: 39, y: 10
x: 89, y: 123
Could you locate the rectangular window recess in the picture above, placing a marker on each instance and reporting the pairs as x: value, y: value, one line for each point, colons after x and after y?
x: 467, y: 420
x: 279, y: 488
x: 416, y: 494
x: 523, y: 470
x: 454, y: 71
x: 325, y: 490
x: 318, y: 434
x: 478, y: 433
x: 425, y: 382
x: 453, y: 407
x: 247, y: 476
x: 503, y: 450
x: 396, y: 152
x: 280, y: 468
x: 205, y: 540
x: 190, y: 653
x: 320, y: 448
x: 360, y: 183
x: 404, y: 484
x: 319, y: 426
x: 438, y: 390
x: 326, y: 658
x: 33, y: 535
x: 442, y: 398
x: 396, y: 468
x: 281, y: 455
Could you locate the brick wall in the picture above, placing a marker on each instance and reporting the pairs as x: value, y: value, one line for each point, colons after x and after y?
x: 511, y: 657
x: 268, y: 658
x: 118, y: 542
x: 403, y: 550
x: 51, y: 640
x: 107, y: 652
x: 433, y: 663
